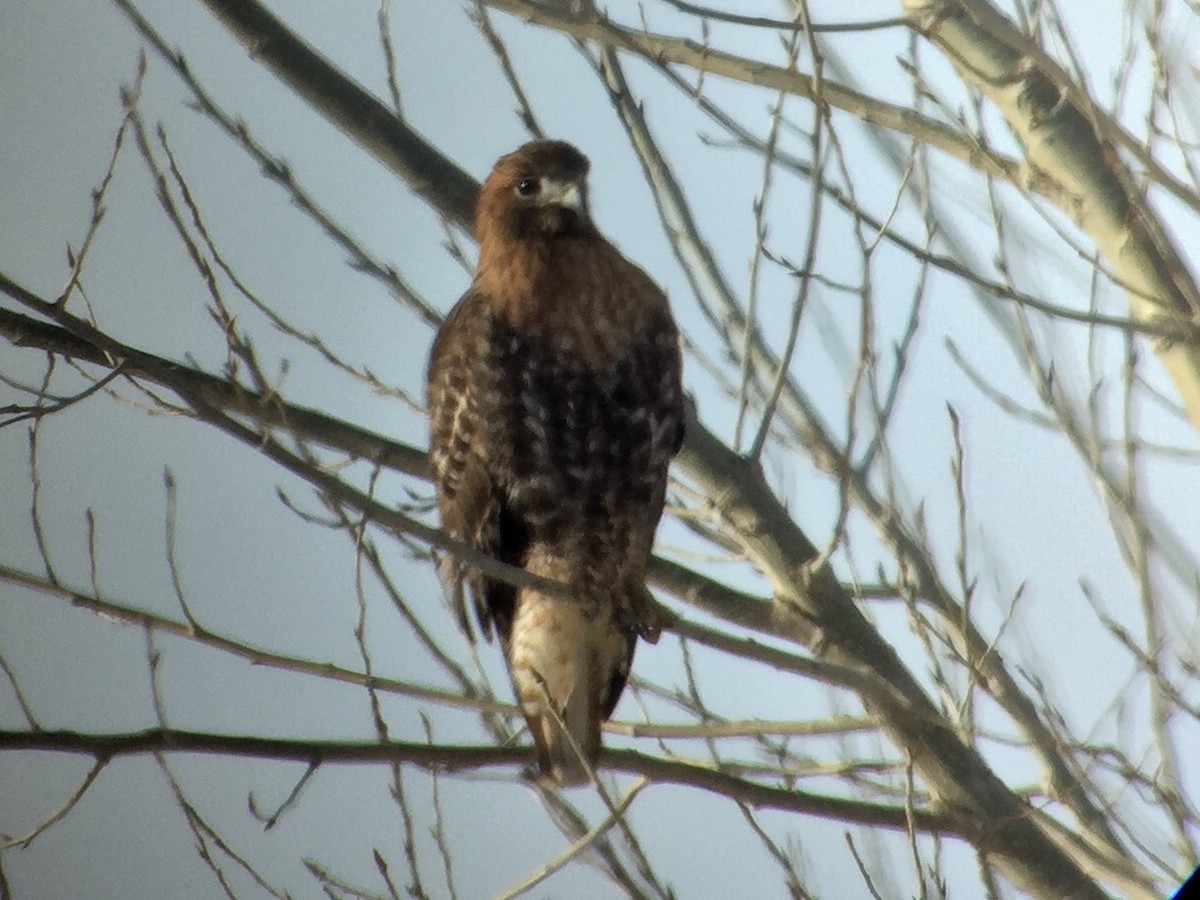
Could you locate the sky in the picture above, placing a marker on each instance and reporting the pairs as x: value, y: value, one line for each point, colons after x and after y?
x: 251, y: 567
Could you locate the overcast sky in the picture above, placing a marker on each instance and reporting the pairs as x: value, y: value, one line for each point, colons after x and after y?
x: 253, y: 569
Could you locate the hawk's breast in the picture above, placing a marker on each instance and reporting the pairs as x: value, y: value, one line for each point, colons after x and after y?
x: 585, y: 442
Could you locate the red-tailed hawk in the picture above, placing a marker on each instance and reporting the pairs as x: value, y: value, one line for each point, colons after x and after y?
x: 556, y: 406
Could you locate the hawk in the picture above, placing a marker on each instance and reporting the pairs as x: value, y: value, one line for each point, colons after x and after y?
x: 555, y: 407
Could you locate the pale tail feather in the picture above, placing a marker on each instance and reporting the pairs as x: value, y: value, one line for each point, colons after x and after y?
x: 567, y: 741
x: 562, y: 658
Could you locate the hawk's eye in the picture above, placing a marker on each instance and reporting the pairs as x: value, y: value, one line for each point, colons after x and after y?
x: 527, y: 187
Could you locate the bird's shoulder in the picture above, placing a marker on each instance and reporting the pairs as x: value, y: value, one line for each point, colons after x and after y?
x: 460, y: 332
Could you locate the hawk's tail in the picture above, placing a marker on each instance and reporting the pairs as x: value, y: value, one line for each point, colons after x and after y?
x: 567, y: 742
x: 569, y: 664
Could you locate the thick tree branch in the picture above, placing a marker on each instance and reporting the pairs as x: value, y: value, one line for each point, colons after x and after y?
x: 1068, y: 140
x: 85, y: 343
x: 954, y: 771
x: 346, y: 104
x: 463, y: 758
x: 458, y: 758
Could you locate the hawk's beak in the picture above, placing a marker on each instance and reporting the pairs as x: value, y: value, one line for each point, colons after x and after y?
x: 567, y: 194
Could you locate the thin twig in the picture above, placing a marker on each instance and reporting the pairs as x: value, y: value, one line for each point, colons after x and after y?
x: 578, y: 847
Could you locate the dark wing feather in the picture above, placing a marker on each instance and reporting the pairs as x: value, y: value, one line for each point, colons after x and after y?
x: 471, y: 499
x: 616, y: 684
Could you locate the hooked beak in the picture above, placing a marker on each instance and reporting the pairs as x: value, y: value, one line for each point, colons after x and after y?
x: 570, y: 195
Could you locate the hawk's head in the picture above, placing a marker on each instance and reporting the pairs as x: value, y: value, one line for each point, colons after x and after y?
x: 537, y: 191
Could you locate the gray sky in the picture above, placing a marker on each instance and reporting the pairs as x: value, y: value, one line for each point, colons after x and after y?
x: 251, y: 568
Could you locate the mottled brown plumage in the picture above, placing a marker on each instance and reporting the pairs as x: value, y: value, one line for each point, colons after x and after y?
x: 555, y: 408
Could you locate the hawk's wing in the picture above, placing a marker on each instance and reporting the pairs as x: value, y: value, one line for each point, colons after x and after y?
x: 462, y: 389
